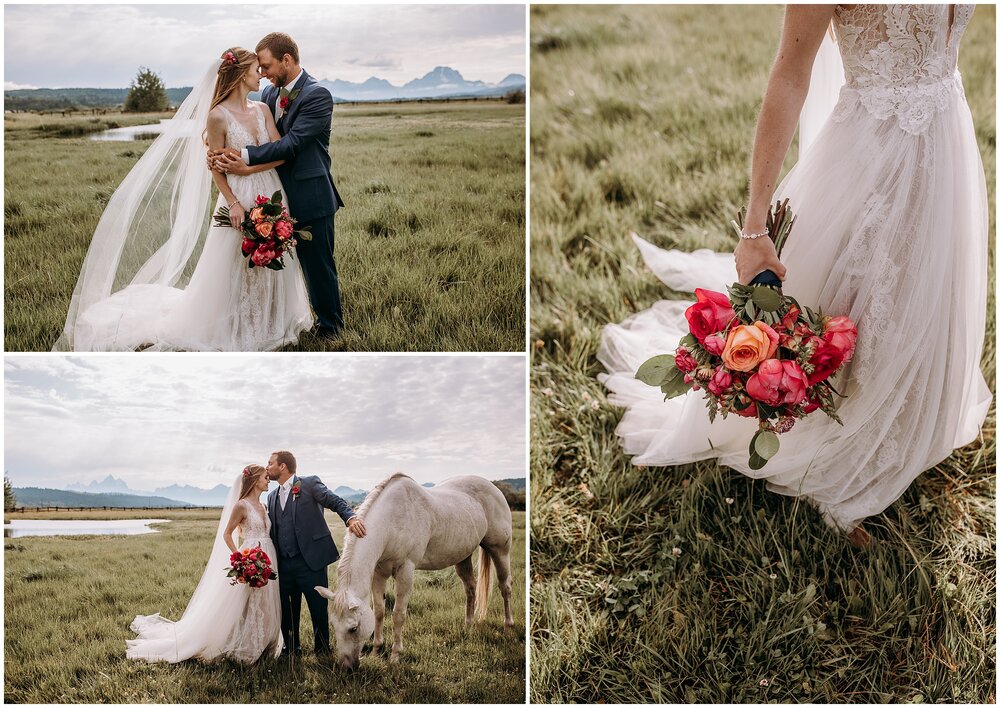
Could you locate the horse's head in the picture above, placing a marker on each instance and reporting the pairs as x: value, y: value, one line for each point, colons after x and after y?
x: 353, y: 622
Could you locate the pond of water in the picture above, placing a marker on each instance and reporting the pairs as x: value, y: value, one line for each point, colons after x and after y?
x: 132, y: 132
x: 38, y: 527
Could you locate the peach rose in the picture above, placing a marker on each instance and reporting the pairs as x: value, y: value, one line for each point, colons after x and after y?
x: 256, y: 214
x: 264, y: 228
x: 749, y: 345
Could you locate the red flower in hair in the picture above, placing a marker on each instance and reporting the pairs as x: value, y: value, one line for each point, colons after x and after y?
x: 229, y: 57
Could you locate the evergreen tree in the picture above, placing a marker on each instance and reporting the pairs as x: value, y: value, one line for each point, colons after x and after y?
x: 146, y: 93
x: 9, y: 502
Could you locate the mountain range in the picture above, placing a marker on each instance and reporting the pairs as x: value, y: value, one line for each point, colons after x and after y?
x: 440, y: 82
x: 112, y: 491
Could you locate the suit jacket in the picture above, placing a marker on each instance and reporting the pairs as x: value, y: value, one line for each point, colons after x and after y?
x: 313, y: 535
x: 305, y: 148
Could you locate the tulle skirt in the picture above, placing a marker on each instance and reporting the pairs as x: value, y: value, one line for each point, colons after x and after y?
x: 226, y: 306
x: 891, y: 231
x: 243, y: 624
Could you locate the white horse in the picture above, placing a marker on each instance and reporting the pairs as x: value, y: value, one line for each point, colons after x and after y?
x: 415, y: 528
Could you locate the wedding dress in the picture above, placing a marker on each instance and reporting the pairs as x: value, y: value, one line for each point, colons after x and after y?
x: 134, y: 290
x: 221, y: 619
x: 891, y: 231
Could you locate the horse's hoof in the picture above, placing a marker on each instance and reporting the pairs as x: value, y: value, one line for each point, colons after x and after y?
x: 394, y: 659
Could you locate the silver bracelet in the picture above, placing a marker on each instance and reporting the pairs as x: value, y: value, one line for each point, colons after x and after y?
x: 765, y: 232
x: 235, y: 201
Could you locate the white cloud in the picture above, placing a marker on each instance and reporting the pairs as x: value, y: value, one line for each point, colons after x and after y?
x: 194, y: 419
x: 398, y: 42
x: 12, y: 86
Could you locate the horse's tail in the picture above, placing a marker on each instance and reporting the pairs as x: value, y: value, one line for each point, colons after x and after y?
x: 484, y: 585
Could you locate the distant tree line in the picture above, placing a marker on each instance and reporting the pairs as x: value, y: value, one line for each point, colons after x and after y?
x: 515, y: 497
x: 9, y: 501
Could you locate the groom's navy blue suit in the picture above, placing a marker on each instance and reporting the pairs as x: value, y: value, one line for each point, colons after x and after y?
x: 305, y: 549
x: 312, y: 196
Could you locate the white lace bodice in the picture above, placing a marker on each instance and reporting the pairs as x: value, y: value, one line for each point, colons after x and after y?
x: 901, y: 60
x: 256, y: 526
x: 237, y: 135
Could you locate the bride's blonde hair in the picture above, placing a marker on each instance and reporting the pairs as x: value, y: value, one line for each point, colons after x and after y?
x: 250, y: 475
x: 235, y: 63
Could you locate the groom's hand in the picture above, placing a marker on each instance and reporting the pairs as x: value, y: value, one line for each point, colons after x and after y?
x: 357, y: 526
x: 232, y: 163
x: 217, y: 155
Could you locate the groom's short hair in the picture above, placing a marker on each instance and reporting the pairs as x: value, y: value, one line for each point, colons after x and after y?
x: 284, y: 457
x: 279, y: 44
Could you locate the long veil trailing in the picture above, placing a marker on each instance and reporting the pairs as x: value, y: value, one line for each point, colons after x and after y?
x: 211, y: 615
x: 824, y: 89
x: 154, y: 226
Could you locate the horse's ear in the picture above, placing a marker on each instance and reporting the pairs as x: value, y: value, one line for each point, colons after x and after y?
x: 325, y: 592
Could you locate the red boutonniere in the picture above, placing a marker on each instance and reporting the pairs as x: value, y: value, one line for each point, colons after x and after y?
x: 286, y: 97
x: 295, y: 492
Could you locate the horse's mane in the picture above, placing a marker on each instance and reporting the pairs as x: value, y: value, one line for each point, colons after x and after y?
x: 344, y: 566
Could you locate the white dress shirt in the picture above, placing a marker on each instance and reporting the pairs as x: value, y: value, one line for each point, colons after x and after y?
x: 284, y: 490
x: 278, y: 112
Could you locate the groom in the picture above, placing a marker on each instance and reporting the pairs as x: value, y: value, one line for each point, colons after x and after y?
x: 302, y: 111
x: 305, y: 547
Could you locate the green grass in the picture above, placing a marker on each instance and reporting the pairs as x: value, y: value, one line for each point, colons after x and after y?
x: 68, y: 602
x: 430, y: 249
x: 643, y: 119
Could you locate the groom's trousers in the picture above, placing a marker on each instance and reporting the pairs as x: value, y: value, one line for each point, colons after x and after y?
x: 320, y: 270
x: 295, y: 579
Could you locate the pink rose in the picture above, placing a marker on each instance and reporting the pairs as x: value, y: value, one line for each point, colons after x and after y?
x: 283, y: 229
x: 684, y: 361
x: 284, y: 102
x: 777, y: 382
x: 720, y: 382
x: 710, y: 314
x: 714, y: 344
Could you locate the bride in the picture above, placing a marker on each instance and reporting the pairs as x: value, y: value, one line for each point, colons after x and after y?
x: 158, y: 275
x: 221, y: 619
x: 891, y: 231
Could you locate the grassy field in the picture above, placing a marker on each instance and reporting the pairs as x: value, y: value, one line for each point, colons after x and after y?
x: 68, y: 602
x: 430, y: 249
x: 643, y: 119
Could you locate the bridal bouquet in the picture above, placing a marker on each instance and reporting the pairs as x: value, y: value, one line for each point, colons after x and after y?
x: 251, y: 566
x: 268, y: 232
x: 757, y: 353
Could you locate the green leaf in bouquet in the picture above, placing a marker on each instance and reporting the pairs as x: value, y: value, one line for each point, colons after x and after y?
x: 674, y: 386
x: 276, y: 197
x: 756, y: 461
x: 765, y: 444
x: 657, y: 370
x: 751, y: 311
x: 767, y: 298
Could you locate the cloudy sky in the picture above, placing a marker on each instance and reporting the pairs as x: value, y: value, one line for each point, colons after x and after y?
x: 197, y: 419
x: 102, y: 46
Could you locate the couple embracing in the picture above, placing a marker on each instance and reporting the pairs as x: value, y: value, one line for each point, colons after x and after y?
x: 160, y: 276
x: 243, y: 623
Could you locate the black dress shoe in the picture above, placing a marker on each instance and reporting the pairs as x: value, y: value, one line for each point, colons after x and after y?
x: 327, y: 333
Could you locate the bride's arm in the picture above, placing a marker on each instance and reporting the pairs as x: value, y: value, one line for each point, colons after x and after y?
x: 787, y: 87
x: 235, y: 521
x: 217, y: 139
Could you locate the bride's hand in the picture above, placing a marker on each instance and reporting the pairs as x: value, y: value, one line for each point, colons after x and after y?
x: 236, y: 215
x: 754, y: 256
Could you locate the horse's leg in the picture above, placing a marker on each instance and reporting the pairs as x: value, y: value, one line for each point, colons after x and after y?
x: 378, y: 603
x: 404, y: 583
x: 468, y: 576
x: 501, y: 559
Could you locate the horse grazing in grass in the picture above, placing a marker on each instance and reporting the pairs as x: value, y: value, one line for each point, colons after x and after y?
x: 415, y: 528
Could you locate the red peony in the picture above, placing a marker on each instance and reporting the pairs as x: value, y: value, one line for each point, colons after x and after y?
x: 284, y: 229
x: 262, y: 256
x: 841, y: 334
x: 748, y: 412
x: 261, y: 199
x: 248, y: 246
x: 710, y: 314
